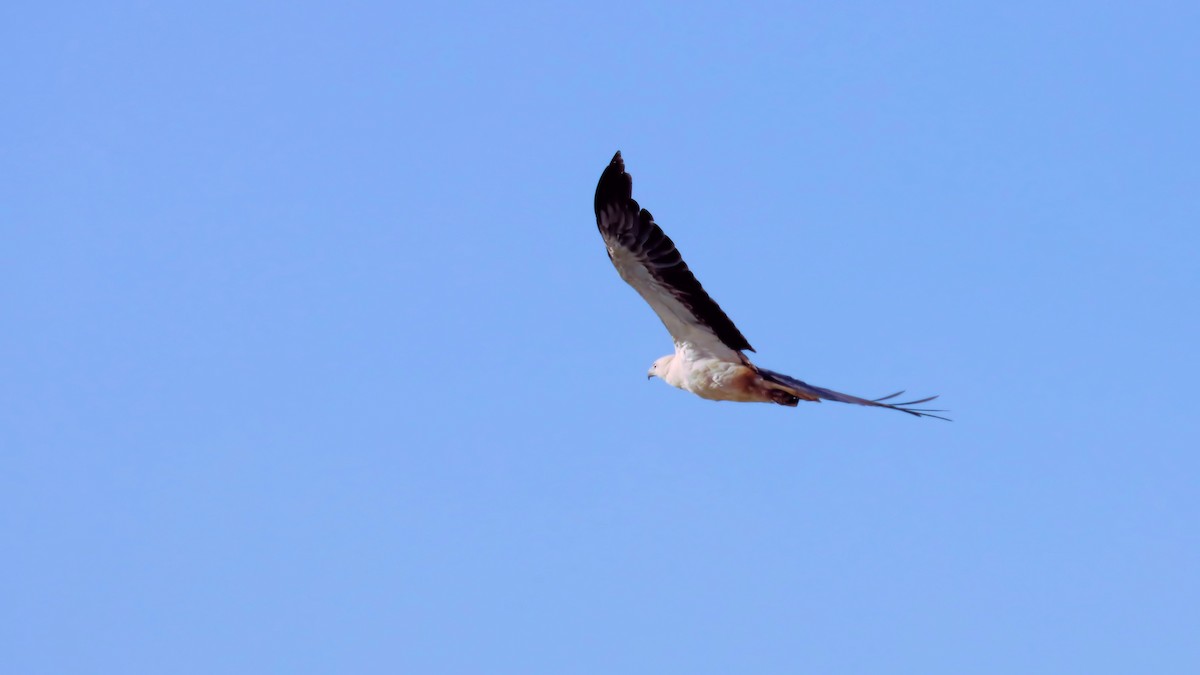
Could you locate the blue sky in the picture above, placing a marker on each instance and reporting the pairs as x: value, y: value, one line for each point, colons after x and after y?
x: 312, y: 360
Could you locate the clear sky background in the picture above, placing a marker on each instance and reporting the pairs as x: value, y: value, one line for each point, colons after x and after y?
x: 311, y: 360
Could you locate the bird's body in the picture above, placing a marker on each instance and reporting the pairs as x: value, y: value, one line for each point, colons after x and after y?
x: 709, y: 358
x: 710, y: 378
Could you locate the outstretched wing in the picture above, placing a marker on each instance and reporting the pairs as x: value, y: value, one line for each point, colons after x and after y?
x: 809, y: 392
x: 647, y: 259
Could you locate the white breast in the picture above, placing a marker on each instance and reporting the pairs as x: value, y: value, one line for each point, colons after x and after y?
x: 718, y: 380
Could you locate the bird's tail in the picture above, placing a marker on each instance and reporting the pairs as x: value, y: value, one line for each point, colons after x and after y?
x: 791, y: 387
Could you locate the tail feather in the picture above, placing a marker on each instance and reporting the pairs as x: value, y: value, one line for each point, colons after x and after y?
x: 806, y: 391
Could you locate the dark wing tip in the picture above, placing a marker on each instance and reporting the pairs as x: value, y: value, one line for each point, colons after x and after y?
x: 615, y: 186
x: 907, y: 406
x: 831, y: 395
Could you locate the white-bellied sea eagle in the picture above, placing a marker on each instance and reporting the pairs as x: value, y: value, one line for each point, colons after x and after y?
x: 708, y: 359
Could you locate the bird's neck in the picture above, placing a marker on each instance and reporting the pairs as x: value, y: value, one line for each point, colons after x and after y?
x: 676, y: 374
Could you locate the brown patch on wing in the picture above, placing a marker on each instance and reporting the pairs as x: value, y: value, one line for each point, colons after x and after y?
x: 742, y: 383
x: 746, y: 384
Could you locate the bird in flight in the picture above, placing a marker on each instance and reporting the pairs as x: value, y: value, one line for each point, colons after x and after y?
x: 708, y: 359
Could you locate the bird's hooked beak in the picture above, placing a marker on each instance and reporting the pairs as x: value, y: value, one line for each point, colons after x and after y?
x: 649, y: 376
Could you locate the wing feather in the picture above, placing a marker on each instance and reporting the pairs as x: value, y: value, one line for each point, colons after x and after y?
x: 647, y: 260
x: 807, y: 391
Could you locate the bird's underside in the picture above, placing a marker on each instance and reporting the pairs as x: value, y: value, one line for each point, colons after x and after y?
x: 709, y: 358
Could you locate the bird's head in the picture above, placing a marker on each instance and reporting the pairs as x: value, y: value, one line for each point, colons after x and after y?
x: 659, y: 369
